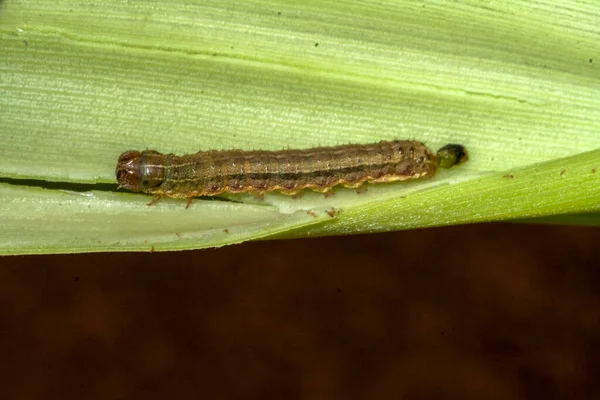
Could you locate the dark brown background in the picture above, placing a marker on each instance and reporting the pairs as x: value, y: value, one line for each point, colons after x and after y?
x: 487, y: 311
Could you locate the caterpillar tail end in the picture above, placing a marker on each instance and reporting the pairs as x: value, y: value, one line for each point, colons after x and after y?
x: 451, y: 155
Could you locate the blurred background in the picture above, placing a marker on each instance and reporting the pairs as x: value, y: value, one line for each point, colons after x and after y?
x: 496, y: 311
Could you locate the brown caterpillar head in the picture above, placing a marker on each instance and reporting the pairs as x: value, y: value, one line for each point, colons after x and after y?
x: 140, y: 171
x: 451, y: 155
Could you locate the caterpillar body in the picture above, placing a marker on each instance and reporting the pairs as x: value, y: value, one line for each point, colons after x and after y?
x: 209, y: 173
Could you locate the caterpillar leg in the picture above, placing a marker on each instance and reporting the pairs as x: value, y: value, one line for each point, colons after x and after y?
x: 329, y: 193
x: 361, y: 189
x: 327, y: 190
x: 156, y: 198
x: 189, y: 201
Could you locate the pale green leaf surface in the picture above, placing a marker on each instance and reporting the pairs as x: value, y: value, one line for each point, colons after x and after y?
x: 517, y: 82
x: 41, y: 221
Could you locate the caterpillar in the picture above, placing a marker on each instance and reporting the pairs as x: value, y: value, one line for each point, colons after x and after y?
x: 209, y: 173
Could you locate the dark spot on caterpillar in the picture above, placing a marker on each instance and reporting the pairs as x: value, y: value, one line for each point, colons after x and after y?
x: 593, y: 170
x: 234, y: 185
x: 508, y: 176
x: 260, y: 186
x: 563, y: 172
x: 316, y: 44
x: 311, y: 213
x: 408, y: 171
x: 591, y: 60
x: 226, y: 230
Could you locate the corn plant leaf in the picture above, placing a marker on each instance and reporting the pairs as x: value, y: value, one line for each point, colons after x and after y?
x: 516, y: 82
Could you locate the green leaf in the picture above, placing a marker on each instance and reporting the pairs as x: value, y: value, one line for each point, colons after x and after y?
x: 516, y: 82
